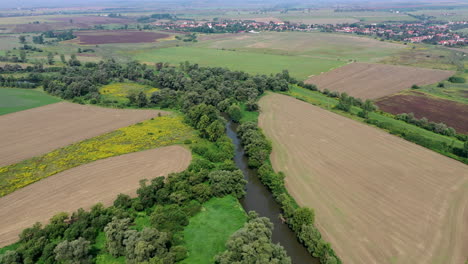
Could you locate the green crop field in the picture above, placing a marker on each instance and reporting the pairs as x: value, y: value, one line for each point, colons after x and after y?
x: 300, y: 67
x: 15, y: 99
x: 208, y: 231
x: 303, y: 54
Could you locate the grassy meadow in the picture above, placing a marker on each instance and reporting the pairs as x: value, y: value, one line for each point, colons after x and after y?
x: 16, y: 99
x: 252, y: 62
x: 157, y: 132
x: 219, y: 219
x: 303, y: 54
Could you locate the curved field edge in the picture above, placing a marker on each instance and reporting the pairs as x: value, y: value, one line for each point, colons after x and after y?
x: 18, y: 99
x: 361, y: 213
x: 157, y: 132
x: 86, y: 185
x: 218, y: 220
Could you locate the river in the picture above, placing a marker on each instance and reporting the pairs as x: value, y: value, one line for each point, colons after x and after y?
x: 260, y: 199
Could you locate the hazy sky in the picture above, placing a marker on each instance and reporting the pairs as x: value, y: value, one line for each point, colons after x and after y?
x: 213, y: 3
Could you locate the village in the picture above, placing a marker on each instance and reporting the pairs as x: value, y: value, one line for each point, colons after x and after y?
x: 428, y: 32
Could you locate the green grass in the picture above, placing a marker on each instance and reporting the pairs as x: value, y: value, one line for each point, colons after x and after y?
x: 208, y: 231
x: 252, y: 62
x: 15, y: 99
x: 452, y: 91
x: 9, y: 247
x: 316, y: 98
x: 118, y: 92
x: 248, y: 116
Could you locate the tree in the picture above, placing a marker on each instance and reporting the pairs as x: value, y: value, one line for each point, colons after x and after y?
x: 170, y: 218
x: 50, y: 58
x: 215, y: 130
x: 74, y: 61
x: 235, y: 113
x: 23, y: 56
x: 252, y: 244
x: 115, y: 236
x: 62, y: 58
x: 227, y: 182
x: 10, y: 257
x: 142, y: 101
x: 123, y: 201
x: 301, y: 216
x: 345, y: 102
x: 22, y: 39
x: 145, y: 245
x: 74, y: 252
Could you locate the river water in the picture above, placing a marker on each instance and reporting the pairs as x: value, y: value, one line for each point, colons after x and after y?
x: 260, y: 199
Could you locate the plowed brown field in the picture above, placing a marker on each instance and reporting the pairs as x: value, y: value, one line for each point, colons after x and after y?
x: 377, y: 197
x: 435, y: 109
x: 84, y: 186
x: 371, y: 81
x: 36, y: 131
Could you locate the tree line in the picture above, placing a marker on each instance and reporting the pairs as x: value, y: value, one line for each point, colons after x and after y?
x: 300, y: 219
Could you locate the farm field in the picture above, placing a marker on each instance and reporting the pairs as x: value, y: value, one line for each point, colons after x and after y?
x: 84, y: 186
x: 14, y: 99
x: 219, y: 219
x: 377, y: 198
x: 371, y: 81
x: 313, y: 45
x: 252, y: 62
x: 435, y: 109
x: 23, y: 24
x: 37, y: 131
x: 157, y: 132
x: 116, y: 36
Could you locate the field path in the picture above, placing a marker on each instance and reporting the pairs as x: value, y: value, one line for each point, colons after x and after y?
x: 371, y: 81
x: 377, y: 198
x: 84, y: 186
x: 36, y: 131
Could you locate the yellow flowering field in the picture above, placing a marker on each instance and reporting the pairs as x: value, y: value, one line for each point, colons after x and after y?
x: 157, y: 132
x: 119, y: 91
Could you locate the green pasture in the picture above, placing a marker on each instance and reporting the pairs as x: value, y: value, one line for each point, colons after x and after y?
x: 15, y: 99
x: 331, y: 46
x: 252, y: 62
x: 451, y: 91
x: 208, y: 231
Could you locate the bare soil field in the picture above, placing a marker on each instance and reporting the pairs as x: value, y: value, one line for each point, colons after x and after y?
x: 451, y: 113
x: 371, y: 81
x: 377, y: 197
x: 116, y: 36
x: 36, y: 131
x: 85, y: 186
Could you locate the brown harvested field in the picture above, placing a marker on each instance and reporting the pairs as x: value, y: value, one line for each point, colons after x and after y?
x: 84, y: 186
x: 371, y: 81
x: 36, y: 131
x: 377, y: 197
x: 116, y: 36
x: 435, y: 109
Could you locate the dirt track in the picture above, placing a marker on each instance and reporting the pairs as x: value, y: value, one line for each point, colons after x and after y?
x: 377, y: 198
x: 84, y: 186
x: 36, y: 131
x: 371, y: 81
